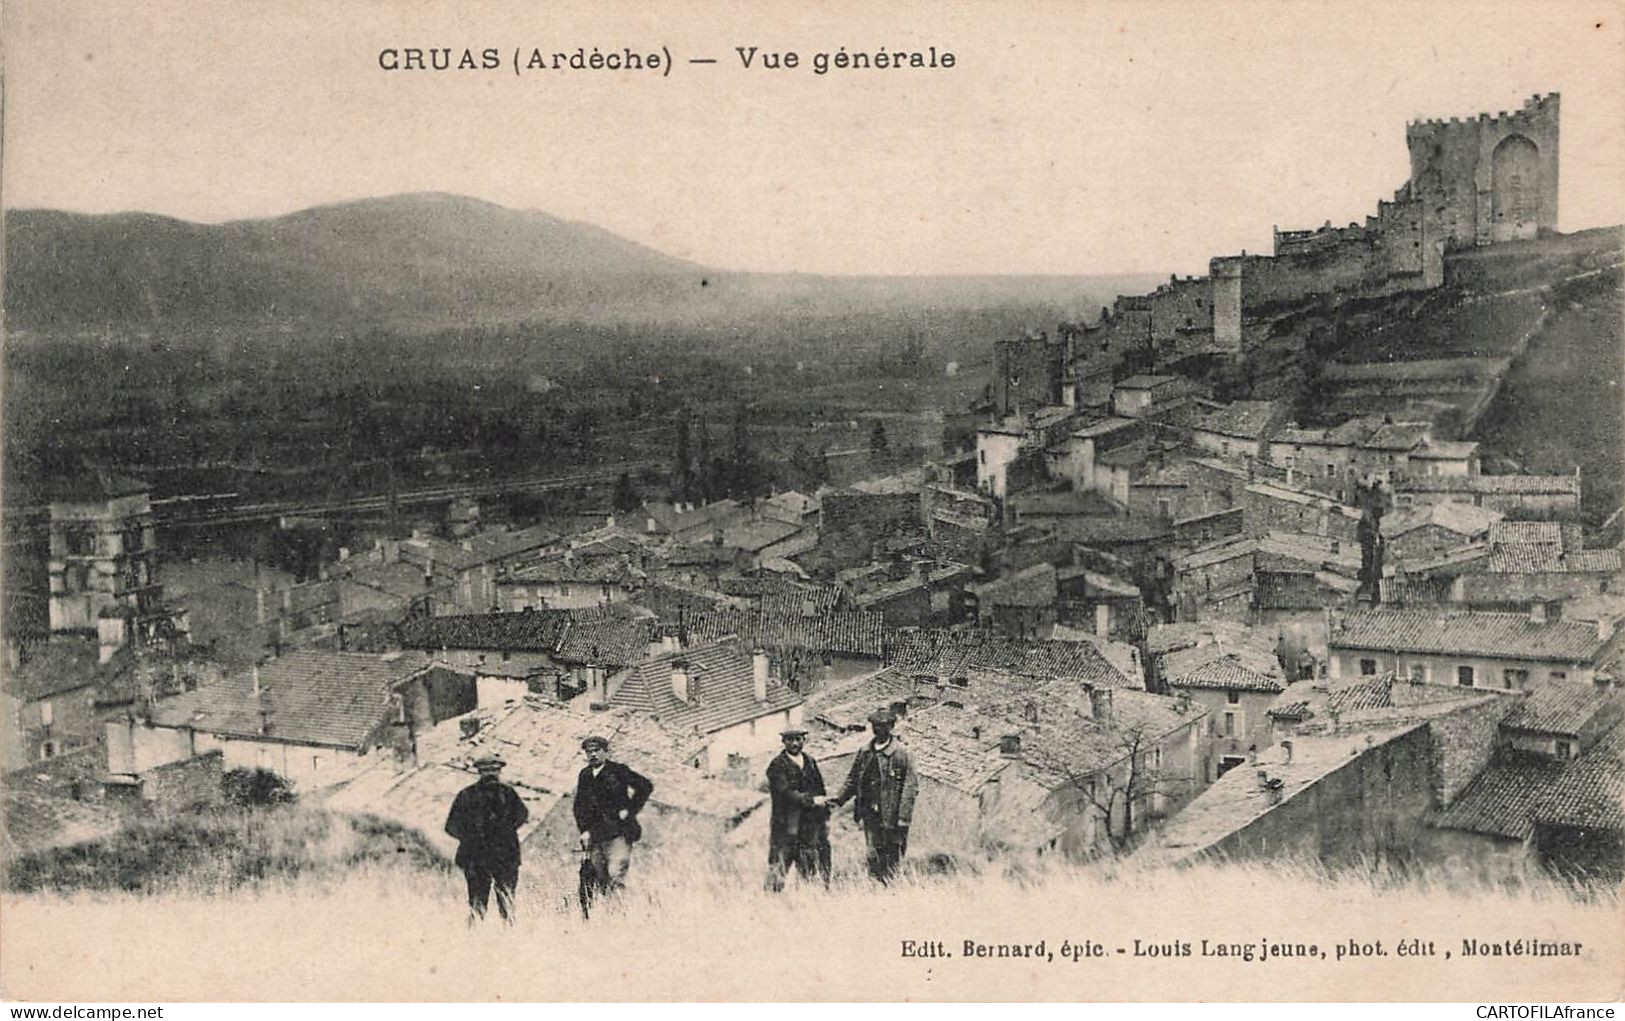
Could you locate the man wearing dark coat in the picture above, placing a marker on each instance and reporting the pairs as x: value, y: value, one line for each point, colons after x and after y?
x: 484, y: 820
x: 883, y: 785
x: 799, y: 831
x: 608, y: 797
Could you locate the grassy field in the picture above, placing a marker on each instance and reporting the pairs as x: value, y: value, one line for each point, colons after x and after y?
x: 1560, y: 406
x: 687, y: 931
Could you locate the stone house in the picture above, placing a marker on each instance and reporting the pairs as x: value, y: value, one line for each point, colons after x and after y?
x: 314, y: 717
x: 727, y: 698
x: 1474, y: 649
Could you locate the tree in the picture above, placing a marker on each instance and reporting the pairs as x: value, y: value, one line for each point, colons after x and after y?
x: 706, y: 482
x: 877, y: 438
x: 743, y: 472
x: 253, y: 788
x: 1121, y: 790
x: 685, y: 461
x: 626, y: 497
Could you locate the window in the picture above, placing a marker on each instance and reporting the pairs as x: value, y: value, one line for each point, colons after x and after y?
x: 1368, y: 667
x: 1419, y: 673
x: 1464, y: 676
x: 982, y: 454
x: 1514, y: 680
x: 315, y: 763
x: 1233, y: 697
x: 1229, y: 723
x: 47, y: 715
x: 1331, y: 469
x: 1559, y: 675
x: 1565, y: 750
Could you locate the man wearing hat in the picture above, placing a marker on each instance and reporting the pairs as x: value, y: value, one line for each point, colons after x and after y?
x: 609, y: 796
x: 485, y: 820
x: 883, y: 783
x: 799, y: 831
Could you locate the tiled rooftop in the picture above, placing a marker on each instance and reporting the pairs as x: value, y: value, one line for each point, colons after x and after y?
x: 857, y: 633
x: 1239, y: 668
x: 525, y: 631
x: 1524, y: 531
x: 1464, y: 519
x: 1501, y: 800
x: 1528, y: 485
x: 1591, y: 792
x: 722, y: 673
x: 947, y: 653
x: 1510, y: 635
x: 309, y: 696
x: 1243, y: 419
x: 1563, y: 709
x: 1548, y: 558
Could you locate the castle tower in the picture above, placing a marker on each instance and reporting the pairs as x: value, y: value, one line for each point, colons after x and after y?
x: 104, y: 558
x: 1488, y: 179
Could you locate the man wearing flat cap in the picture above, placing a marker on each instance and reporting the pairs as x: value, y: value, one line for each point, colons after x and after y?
x: 485, y: 820
x: 883, y: 784
x: 608, y: 797
x: 799, y: 831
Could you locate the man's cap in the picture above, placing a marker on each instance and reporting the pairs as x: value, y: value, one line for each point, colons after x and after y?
x: 489, y: 762
x: 793, y: 732
x: 882, y: 716
x: 595, y: 742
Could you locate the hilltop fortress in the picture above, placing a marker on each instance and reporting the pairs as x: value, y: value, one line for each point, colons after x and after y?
x: 1478, y: 181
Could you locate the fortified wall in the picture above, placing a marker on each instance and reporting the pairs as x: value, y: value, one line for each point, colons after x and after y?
x: 1478, y: 181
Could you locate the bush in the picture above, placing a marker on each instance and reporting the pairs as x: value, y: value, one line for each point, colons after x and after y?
x: 256, y: 787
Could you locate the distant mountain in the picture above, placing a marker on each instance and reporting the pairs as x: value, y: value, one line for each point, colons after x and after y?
x: 376, y: 259
x: 432, y: 259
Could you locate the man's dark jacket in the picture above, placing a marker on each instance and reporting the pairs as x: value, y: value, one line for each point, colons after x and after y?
x: 600, y: 799
x: 882, y: 786
x: 793, y: 789
x: 485, y: 818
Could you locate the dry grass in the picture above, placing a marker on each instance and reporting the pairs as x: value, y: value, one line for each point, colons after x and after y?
x: 697, y: 932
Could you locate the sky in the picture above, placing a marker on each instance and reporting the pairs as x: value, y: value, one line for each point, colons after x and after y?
x: 1067, y: 138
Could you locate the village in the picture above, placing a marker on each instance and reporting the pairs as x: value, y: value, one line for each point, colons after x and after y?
x: 1119, y: 618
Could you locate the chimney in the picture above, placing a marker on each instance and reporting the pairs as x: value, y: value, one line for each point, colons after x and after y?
x: 758, y: 673
x: 254, y: 675
x: 1537, y: 612
x: 1100, y: 706
x: 1286, y: 746
x: 680, y: 686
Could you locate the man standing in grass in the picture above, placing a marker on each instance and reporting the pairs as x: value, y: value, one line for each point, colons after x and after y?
x: 485, y: 820
x: 609, y: 796
x: 883, y: 782
x: 799, y: 831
